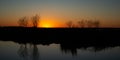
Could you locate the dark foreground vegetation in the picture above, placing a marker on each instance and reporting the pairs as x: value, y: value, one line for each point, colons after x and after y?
x: 70, y: 39
x: 60, y: 34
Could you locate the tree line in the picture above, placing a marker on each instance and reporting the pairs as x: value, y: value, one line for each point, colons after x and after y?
x: 84, y: 24
x: 23, y: 22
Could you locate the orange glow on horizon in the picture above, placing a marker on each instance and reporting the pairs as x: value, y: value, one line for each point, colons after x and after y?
x: 50, y: 24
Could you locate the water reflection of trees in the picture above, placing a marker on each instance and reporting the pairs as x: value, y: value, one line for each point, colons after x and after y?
x: 25, y: 51
x: 68, y: 49
x: 28, y: 52
x: 66, y: 46
x: 96, y: 47
x: 35, y: 53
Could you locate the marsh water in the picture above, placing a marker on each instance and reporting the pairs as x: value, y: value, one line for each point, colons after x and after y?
x: 15, y: 51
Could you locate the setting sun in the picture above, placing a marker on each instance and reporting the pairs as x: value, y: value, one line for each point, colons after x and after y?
x: 50, y: 24
x: 46, y: 26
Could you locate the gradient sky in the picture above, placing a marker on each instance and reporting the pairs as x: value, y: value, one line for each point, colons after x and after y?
x: 107, y: 11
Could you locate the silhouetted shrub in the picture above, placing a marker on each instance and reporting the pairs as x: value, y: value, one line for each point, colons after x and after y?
x: 35, y: 20
x: 23, y: 22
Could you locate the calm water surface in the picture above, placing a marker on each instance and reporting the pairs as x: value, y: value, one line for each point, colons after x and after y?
x: 13, y: 51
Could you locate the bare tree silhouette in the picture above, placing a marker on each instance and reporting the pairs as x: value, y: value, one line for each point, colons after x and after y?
x: 23, y: 22
x: 81, y: 23
x: 93, y: 23
x: 89, y: 23
x: 96, y: 23
x: 69, y: 24
x: 35, y: 20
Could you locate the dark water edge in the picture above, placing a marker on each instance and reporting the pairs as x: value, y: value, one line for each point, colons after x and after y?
x: 69, y: 39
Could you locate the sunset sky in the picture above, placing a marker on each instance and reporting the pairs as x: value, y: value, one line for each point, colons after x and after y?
x: 61, y: 11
